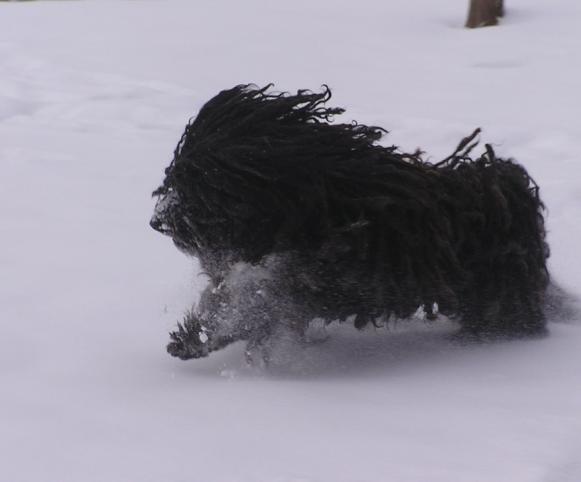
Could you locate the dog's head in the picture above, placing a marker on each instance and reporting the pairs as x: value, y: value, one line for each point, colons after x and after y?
x: 249, y: 173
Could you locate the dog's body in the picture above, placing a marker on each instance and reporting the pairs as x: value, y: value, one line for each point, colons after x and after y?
x: 294, y: 218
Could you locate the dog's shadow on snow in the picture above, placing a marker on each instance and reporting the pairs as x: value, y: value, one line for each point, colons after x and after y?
x: 400, y: 347
x: 346, y: 353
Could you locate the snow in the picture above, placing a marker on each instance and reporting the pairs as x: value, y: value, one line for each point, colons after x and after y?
x: 93, y: 98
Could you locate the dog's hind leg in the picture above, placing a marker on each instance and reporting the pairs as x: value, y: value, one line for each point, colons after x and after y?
x: 522, y: 313
x: 491, y: 323
x: 505, y: 309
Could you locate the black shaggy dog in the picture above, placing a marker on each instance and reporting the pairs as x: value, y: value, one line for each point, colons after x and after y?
x: 294, y: 217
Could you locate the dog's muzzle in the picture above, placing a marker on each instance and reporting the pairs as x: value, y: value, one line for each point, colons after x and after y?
x: 162, y: 213
x: 159, y: 225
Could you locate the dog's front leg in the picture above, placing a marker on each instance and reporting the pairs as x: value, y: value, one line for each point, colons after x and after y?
x: 272, y: 344
x: 247, y: 305
x: 237, y: 309
x: 207, y: 328
x: 195, y: 338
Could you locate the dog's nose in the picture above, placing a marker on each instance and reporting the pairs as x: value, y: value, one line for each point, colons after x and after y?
x: 156, y: 224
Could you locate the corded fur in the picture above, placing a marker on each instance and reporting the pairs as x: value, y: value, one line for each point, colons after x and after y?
x: 344, y: 225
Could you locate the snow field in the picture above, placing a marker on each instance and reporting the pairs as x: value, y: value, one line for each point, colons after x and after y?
x: 93, y: 98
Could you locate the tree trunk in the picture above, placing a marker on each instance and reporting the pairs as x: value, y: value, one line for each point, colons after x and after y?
x: 483, y: 13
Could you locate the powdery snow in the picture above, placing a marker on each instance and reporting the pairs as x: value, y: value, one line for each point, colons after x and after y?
x: 93, y: 98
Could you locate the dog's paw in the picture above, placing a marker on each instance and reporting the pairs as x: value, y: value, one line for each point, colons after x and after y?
x: 257, y: 355
x: 190, y: 340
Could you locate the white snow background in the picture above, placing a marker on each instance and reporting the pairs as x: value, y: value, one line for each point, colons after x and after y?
x: 93, y: 98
